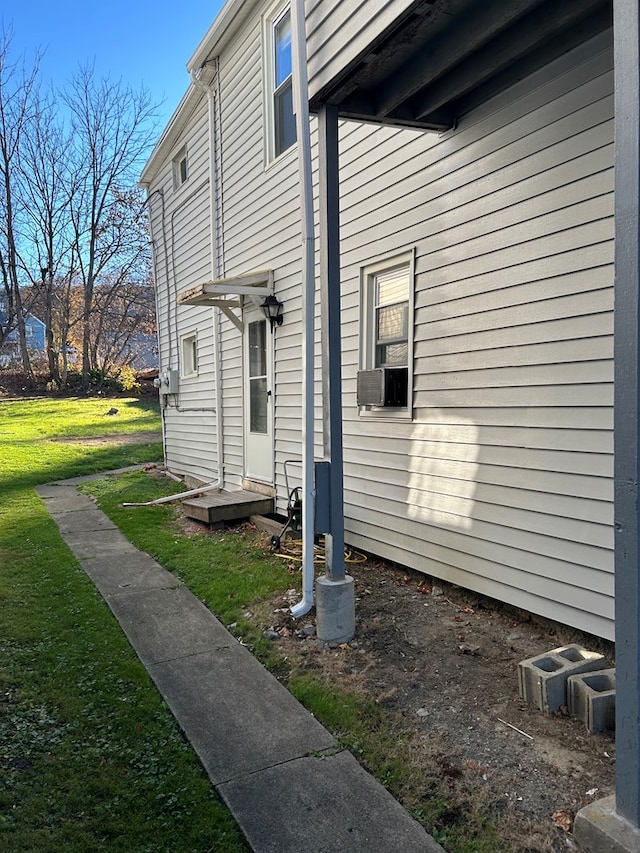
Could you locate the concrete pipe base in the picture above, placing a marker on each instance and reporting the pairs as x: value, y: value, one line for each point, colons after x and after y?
x: 335, y: 610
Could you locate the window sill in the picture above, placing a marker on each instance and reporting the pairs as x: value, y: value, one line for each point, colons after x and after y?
x: 385, y: 414
x: 281, y: 158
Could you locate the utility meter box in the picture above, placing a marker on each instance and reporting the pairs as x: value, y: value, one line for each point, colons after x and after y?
x: 167, y: 382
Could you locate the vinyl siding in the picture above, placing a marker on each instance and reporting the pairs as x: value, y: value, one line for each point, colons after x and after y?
x: 182, y: 255
x: 503, y: 480
x: 338, y: 32
x: 261, y: 231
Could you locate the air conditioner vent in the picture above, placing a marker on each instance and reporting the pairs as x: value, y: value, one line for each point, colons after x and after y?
x: 383, y: 387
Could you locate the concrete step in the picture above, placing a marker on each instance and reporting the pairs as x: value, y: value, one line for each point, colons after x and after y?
x: 227, y: 506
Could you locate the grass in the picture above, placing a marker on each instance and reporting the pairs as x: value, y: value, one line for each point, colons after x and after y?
x: 90, y: 758
x: 232, y: 573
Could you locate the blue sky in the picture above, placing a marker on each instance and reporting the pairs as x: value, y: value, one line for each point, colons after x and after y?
x: 140, y: 41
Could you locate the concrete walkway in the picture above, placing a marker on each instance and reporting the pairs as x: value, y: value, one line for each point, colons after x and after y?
x: 281, y: 773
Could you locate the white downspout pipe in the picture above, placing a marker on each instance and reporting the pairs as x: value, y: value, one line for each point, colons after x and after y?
x: 167, y: 499
x: 303, y: 132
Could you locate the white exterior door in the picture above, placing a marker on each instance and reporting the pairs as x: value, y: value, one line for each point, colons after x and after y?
x: 258, y: 397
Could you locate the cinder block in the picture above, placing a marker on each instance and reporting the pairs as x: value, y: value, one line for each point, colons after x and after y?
x: 542, y: 680
x: 592, y: 699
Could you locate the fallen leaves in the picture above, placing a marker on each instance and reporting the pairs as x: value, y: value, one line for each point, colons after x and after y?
x: 563, y: 819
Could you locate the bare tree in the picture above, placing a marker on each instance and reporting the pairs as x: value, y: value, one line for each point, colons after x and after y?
x: 47, y: 186
x: 111, y: 131
x: 17, y: 85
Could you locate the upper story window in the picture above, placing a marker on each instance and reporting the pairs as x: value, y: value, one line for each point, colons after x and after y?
x: 180, y: 168
x: 280, y: 118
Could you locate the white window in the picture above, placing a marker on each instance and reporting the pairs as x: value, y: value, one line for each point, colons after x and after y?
x: 180, y: 168
x: 386, y: 337
x: 280, y: 119
x: 189, y: 347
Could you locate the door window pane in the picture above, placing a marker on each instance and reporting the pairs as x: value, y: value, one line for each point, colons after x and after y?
x: 258, y: 404
x: 258, y: 348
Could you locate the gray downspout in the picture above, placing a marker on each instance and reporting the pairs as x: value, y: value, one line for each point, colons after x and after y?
x: 303, y: 131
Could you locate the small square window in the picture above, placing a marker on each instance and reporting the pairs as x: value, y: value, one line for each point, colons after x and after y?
x: 386, y: 337
x: 180, y: 168
x: 190, y: 355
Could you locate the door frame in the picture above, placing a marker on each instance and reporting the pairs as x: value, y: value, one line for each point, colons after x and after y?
x: 266, y: 446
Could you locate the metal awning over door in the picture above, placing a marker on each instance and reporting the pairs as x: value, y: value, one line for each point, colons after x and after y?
x: 220, y: 293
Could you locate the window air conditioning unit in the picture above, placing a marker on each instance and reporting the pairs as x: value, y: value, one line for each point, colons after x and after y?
x: 383, y: 386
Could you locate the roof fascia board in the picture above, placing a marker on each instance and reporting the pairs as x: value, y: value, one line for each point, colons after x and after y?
x: 170, y: 135
x: 226, y: 23
x: 221, y: 30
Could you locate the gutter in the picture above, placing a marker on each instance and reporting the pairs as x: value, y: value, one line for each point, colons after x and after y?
x: 203, y: 87
x: 303, y: 131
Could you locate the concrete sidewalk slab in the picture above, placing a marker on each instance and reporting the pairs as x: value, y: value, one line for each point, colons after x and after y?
x: 252, y: 736
x: 57, y: 490
x: 108, y: 541
x: 86, y: 478
x: 132, y: 571
x: 238, y: 717
x: 67, y: 500
x: 83, y: 521
x: 322, y: 805
x: 164, y: 624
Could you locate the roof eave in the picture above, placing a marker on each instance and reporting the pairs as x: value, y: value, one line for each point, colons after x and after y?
x: 221, y: 30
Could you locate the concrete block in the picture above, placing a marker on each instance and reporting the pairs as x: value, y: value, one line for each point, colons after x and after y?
x: 592, y: 699
x: 542, y: 680
x: 335, y: 609
x: 599, y: 828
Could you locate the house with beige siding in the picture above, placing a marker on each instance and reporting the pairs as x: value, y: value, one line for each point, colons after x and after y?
x: 476, y: 282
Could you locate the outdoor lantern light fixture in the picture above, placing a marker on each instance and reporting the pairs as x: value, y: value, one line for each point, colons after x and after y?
x: 272, y: 310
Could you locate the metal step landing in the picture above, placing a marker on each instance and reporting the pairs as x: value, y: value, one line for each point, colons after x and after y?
x: 223, y: 506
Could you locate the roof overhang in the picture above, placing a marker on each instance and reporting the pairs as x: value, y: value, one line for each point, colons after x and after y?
x: 442, y: 58
x: 201, y: 68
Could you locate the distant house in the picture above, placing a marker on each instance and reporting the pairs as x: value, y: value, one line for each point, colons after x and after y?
x: 35, y: 331
x: 141, y: 351
x: 476, y: 281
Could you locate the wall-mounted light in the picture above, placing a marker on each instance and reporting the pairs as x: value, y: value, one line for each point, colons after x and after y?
x: 272, y: 310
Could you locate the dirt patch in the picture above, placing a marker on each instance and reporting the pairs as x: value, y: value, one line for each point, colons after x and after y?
x: 443, y: 663
x: 113, y: 438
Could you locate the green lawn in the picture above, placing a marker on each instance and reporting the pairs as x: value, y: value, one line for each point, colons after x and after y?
x: 90, y: 758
